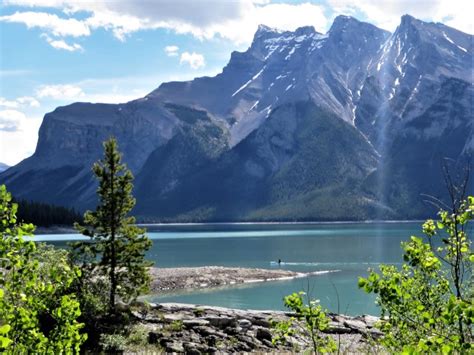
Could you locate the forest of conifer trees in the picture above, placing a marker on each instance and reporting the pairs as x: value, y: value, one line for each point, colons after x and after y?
x: 45, y: 215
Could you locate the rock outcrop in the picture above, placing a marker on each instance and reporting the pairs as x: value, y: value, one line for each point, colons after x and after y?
x: 194, y: 329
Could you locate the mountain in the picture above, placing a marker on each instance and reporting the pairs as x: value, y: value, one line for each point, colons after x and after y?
x: 350, y: 124
x: 3, y: 167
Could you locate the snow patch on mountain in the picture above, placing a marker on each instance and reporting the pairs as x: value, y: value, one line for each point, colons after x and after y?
x: 452, y: 42
x: 291, y: 53
x: 249, y: 82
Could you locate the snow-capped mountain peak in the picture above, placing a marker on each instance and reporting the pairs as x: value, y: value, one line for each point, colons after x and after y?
x: 298, y: 119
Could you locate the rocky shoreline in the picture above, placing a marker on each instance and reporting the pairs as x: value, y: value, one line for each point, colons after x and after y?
x: 188, y: 278
x: 198, y: 329
x: 195, y: 329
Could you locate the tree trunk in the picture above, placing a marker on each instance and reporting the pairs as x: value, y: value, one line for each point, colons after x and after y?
x: 113, y: 256
x: 113, y: 281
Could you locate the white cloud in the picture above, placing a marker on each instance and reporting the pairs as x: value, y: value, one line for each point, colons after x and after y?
x: 171, y: 51
x: 38, y: 3
x: 234, y: 20
x: 10, y: 120
x: 18, y: 144
x: 120, y: 24
x: 8, y: 103
x: 457, y: 14
x: 61, y: 44
x: 20, y: 101
x: 28, y: 100
x: 49, y: 22
x: 386, y: 14
x: 282, y: 16
x: 60, y: 92
x: 194, y: 59
x: 18, y: 136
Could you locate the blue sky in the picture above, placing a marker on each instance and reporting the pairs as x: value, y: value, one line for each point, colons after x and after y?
x: 55, y: 52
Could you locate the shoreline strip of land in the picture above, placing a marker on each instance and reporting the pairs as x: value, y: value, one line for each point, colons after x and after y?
x: 203, y: 277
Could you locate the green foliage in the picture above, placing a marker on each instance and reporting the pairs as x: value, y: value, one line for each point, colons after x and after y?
x: 138, y: 335
x: 176, y: 326
x: 131, y: 340
x: 429, y: 301
x: 113, y: 342
x: 311, y: 320
x: 198, y: 312
x: 117, y: 247
x: 38, y: 313
x: 283, y: 330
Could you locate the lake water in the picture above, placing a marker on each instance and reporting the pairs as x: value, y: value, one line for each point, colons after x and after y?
x: 348, y: 249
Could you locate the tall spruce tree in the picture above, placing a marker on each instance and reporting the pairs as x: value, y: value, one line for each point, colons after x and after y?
x: 117, y: 247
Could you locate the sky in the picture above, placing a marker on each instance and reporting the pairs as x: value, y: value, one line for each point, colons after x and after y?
x: 56, y: 52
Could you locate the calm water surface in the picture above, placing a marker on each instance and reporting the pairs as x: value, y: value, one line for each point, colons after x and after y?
x: 349, y: 248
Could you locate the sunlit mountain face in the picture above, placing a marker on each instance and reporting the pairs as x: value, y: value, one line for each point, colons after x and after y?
x: 351, y: 124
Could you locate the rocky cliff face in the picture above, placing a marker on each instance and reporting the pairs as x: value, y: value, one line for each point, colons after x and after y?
x: 351, y: 124
x: 407, y: 75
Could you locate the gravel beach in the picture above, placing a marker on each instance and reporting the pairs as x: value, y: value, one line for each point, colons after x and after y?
x: 188, y: 278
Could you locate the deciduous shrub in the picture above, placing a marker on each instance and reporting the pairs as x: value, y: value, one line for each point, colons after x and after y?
x: 309, y: 320
x: 428, y: 303
x: 38, y: 313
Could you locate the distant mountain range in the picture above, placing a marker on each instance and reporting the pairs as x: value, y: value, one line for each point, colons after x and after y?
x: 351, y: 124
x: 3, y: 167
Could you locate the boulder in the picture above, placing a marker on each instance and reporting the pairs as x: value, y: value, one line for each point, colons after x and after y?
x: 337, y: 328
x: 370, y: 320
x: 263, y: 333
x: 174, y: 347
x: 355, y: 324
x: 190, y: 323
x: 261, y: 322
x: 154, y: 337
x: 233, y: 331
x: 244, y: 323
x: 170, y: 318
x: 222, y: 321
x: 205, y: 330
x: 194, y: 348
x: 251, y: 342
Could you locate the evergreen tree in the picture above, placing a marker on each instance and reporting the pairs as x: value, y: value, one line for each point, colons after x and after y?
x: 117, y: 247
x: 46, y: 215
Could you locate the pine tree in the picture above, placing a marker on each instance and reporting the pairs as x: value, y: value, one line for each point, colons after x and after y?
x: 117, y: 247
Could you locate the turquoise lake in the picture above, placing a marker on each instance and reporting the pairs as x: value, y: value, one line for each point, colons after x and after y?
x: 347, y: 249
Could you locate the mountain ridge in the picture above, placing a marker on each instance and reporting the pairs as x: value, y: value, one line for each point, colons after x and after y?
x: 236, y: 146
x: 3, y: 167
